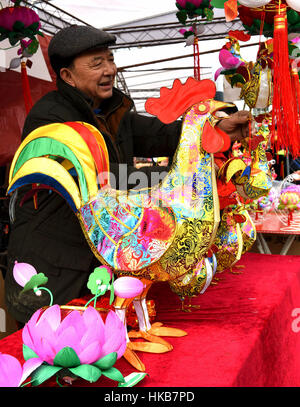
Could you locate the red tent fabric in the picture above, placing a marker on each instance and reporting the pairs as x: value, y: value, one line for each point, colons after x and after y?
x: 12, y: 107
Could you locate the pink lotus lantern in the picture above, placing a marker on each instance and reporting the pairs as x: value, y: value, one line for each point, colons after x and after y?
x: 18, y: 23
x: 193, y: 9
x: 9, y: 16
x: 81, y: 344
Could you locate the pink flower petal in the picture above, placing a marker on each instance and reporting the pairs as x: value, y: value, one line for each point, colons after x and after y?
x: 52, y: 316
x: 112, y: 323
x: 10, y: 371
x: 29, y: 366
x: 23, y: 272
x: 92, y: 316
x: 72, y: 319
x: 69, y: 338
x: 93, y: 333
x: 91, y: 353
x: 41, y: 331
x: 44, y: 349
x: 26, y: 337
x: 112, y: 344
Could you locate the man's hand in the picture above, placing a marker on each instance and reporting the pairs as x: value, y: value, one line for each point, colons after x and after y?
x: 296, y: 175
x: 236, y: 125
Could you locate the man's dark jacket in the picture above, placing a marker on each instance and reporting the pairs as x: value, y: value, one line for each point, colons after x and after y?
x: 50, y: 237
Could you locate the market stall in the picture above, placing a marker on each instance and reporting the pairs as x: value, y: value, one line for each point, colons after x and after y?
x: 175, y: 270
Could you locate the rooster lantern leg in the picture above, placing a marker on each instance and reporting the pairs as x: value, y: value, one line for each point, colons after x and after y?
x: 158, y: 234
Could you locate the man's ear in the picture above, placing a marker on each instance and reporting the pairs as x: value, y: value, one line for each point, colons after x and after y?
x: 66, y: 75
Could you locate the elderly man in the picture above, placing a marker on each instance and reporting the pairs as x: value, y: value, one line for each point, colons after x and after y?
x: 48, y: 236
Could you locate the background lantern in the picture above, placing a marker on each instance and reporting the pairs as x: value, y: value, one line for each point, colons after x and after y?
x: 254, y: 3
x: 294, y: 4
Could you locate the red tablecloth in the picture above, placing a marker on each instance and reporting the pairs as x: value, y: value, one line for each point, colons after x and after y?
x: 241, y: 336
x: 277, y: 222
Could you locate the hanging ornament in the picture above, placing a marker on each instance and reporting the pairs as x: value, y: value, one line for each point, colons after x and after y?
x: 252, y: 18
x: 20, y: 25
x: 194, y: 9
x: 294, y: 4
x: 254, y: 3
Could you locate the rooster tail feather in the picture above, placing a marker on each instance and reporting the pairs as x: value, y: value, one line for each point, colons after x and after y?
x: 79, y: 146
x: 47, y: 172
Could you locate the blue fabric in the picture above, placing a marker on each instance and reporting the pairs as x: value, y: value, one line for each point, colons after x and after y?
x: 44, y: 179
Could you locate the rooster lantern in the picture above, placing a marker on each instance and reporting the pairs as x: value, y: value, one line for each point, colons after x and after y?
x: 161, y: 233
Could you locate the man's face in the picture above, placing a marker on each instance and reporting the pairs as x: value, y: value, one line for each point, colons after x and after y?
x: 93, y: 72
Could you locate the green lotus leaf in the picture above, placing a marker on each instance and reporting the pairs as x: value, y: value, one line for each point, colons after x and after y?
x: 112, y: 291
x: 114, y: 374
x: 28, y: 353
x: 107, y: 361
x: 33, y: 47
x: 190, y: 7
x: 209, y: 13
x: 66, y: 357
x: 182, y: 16
x: 132, y: 379
x: 218, y: 3
x: 13, y: 38
x: 3, y: 37
x: 43, y: 373
x: 205, y: 4
x: 18, y: 26
x: 99, y: 274
x: 35, y: 281
x: 34, y: 26
x: 293, y: 16
x: 87, y: 372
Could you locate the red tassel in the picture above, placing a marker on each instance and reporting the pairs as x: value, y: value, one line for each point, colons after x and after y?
x: 284, y: 114
x: 26, y: 88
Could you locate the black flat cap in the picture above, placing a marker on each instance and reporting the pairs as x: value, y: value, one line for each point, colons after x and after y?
x: 72, y: 41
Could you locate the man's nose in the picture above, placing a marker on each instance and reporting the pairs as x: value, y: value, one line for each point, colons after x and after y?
x: 110, y: 68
